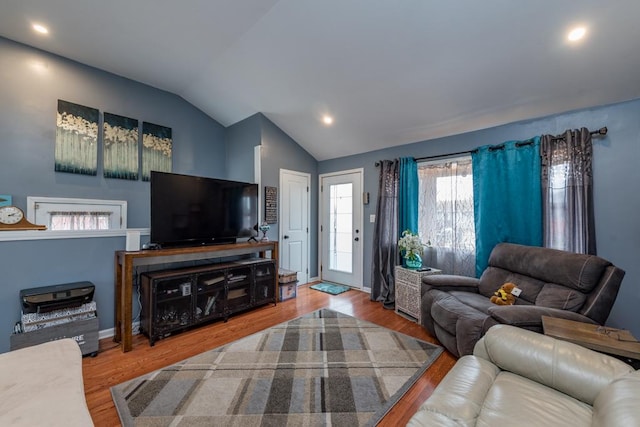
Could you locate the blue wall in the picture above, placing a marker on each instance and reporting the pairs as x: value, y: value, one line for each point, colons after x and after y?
x: 280, y: 151
x: 32, y: 81
x: 241, y: 139
x: 615, y: 169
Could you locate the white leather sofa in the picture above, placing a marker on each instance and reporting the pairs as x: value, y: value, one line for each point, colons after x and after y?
x: 42, y: 386
x: 517, y: 377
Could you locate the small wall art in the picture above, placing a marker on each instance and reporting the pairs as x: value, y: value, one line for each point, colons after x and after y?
x: 156, y: 149
x: 5, y: 200
x: 271, y: 205
x: 120, y: 140
x: 76, y: 149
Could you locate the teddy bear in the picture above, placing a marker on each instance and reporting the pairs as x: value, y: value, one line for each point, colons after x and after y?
x: 503, y: 295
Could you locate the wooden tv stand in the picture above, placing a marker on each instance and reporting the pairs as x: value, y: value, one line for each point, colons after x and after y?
x: 125, y: 261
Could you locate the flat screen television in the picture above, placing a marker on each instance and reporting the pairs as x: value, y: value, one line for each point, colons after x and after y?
x: 191, y: 210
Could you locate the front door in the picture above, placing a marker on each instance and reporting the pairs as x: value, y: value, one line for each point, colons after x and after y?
x: 294, y: 226
x: 341, y: 227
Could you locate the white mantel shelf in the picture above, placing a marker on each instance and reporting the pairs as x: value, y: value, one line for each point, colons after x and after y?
x: 8, y: 236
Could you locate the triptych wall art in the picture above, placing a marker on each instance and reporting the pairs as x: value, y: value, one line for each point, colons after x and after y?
x: 77, y: 140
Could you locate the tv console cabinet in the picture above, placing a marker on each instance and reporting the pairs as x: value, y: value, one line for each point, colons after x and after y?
x: 126, y: 261
x: 177, y: 299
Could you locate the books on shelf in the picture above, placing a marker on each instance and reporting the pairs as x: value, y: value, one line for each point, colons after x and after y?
x: 232, y: 279
x: 213, y: 280
x: 211, y: 301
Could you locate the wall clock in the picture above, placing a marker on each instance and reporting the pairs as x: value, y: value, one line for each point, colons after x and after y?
x: 12, y: 219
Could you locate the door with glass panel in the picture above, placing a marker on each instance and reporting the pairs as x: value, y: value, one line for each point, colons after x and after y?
x: 341, y: 227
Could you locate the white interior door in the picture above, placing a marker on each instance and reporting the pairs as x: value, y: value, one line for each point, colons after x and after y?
x: 294, y: 223
x: 341, y: 227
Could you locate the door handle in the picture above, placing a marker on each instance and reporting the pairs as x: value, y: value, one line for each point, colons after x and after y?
x: 357, y: 239
x: 285, y: 237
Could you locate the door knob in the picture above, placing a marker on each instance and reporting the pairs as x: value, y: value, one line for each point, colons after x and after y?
x: 285, y: 237
x: 357, y: 239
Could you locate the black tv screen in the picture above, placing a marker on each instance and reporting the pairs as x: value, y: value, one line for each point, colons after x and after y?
x: 190, y: 210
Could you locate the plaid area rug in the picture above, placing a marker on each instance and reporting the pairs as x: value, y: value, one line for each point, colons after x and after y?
x: 325, y: 368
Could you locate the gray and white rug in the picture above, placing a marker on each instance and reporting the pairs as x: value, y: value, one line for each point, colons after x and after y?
x: 325, y: 368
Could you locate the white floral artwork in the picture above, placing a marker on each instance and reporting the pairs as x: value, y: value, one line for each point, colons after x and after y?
x: 76, y: 149
x: 157, y: 147
x: 120, y: 139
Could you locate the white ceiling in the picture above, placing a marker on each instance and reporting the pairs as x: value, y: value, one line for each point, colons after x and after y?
x: 391, y: 72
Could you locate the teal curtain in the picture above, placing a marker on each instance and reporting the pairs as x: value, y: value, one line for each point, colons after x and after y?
x: 507, y: 191
x: 408, y: 196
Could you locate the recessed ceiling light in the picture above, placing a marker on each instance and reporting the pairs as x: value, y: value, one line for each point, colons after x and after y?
x: 327, y: 120
x: 40, y: 29
x: 577, y: 34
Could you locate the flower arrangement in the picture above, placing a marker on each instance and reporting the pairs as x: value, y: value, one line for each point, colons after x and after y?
x: 410, y: 244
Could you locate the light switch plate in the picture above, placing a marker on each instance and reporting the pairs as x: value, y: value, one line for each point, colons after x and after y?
x: 372, y: 218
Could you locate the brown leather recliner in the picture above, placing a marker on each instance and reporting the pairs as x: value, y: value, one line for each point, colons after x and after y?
x: 457, y: 310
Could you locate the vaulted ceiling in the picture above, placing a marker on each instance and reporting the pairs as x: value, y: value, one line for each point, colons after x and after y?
x: 389, y: 72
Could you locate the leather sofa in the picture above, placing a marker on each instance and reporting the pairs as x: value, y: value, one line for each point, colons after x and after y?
x: 457, y: 310
x: 42, y: 385
x: 516, y: 377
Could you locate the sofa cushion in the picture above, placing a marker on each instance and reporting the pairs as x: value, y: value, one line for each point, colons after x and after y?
x: 577, y: 271
x: 512, y: 397
x: 459, y: 320
x: 534, y: 290
x: 556, y: 296
x: 42, y: 386
x: 476, y: 301
x: 494, y: 277
x: 447, y: 310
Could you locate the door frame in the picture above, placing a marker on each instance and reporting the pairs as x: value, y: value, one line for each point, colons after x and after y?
x: 280, y: 204
x: 359, y: 268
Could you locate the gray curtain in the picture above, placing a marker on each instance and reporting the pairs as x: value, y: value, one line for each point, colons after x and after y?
x: 567, y: 191
x: 385, y: 236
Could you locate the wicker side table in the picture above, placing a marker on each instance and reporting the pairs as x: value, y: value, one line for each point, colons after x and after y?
x: 408, y: 283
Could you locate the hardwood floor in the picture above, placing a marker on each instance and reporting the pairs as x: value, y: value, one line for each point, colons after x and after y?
x: 112, y: 367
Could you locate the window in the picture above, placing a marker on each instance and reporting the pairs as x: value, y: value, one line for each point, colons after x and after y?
x: 77, y: 214
x: 445, y: 220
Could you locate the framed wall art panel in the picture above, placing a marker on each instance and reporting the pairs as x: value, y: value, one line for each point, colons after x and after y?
x: 157, y: 145
x: 120, y: 152
x: 76, y: 149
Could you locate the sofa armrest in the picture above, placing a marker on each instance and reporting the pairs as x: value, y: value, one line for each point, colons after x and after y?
x: 617, y: 405
x: 569, y: 368
x: 450, y: 282
x: 459, y: 398
x: 530, y: 316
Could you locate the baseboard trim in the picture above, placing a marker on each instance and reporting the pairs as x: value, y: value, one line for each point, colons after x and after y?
x: 108, y: 333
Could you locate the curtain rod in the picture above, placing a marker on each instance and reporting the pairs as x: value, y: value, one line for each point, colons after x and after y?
x: 601, y: 131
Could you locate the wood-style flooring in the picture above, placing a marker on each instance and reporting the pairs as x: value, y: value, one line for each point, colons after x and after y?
x: 112, y: 367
